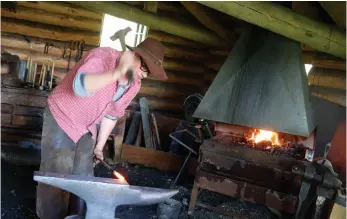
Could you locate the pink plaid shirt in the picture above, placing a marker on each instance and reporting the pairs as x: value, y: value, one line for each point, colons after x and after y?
x: 75, y: 115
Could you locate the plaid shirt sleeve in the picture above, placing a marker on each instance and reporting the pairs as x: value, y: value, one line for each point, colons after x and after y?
x: 117, y: 109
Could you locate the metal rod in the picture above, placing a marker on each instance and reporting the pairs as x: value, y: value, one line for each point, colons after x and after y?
x: 182, y: 168
x: 104, y: 163
x: 183, y: 144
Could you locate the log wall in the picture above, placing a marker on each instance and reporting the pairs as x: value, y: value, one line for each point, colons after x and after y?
x: 191, y: 66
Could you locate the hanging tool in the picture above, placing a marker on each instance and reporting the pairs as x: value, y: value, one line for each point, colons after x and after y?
x: 103, y: 195
x: 46, y: 49
x: 47, y: 78
x: 80, y: 49
x: 27, y: 70
x: 43, y: 78
x: 52, y: 75
x: 41, y: 73
x: 34, y: 76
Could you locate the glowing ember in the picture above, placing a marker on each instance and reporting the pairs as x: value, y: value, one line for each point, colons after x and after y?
x: 262, y: 135
x: 118, y: 175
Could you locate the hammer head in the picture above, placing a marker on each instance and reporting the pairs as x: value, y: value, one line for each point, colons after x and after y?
x: 104, y: 192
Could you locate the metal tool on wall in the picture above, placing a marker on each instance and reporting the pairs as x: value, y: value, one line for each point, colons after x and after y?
x: 73, y: 45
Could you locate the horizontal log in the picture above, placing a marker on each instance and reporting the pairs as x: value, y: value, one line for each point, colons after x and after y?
x: 48, y: 31
x: 182, y: 66
x: 184, y: 53
x: 27, y: 121
x: 333, y: 95
x: 156, y: 159
x: 23, y: 99
x: 327, y: 78
x: 38, y: 57
x: 153, y: 21
x: 324, y: 61
x: 41, y: 16
x: 217, y: 52
x: 169, y: 38
x: 284, y: 21
x: 6, y: 108
x: 62, y: 8
x: 35, y: 46
x: 161, y: 104
x: 39, y: 40
x: 162, y: 89
x: 29, y: 111
x: 182, y: 78
x: 6, y: 119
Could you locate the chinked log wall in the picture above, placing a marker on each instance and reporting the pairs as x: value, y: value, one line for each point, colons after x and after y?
x: 191, y: 66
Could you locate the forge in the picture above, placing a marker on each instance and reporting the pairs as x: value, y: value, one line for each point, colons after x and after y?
x: 264, y: 129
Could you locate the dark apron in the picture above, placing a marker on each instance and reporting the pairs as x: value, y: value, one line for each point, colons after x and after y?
x: 59, y: 154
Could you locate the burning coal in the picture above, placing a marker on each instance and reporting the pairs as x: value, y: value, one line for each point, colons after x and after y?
x: 259, y: 135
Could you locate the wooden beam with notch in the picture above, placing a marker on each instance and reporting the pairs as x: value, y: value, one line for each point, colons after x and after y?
x: 286, y: 22
x: 153, y: 21
x: 337, y: 11
x: 204, y: 18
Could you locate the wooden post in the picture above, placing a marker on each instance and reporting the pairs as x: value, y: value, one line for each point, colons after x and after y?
x: 118, y: 139
x: 287, y: 23
x: 139, y: 136
x: 153, y: 21
x: 145, y: 122
x: 133, y: 129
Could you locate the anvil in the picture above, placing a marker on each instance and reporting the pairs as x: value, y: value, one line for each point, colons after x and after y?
x: 103, y: 195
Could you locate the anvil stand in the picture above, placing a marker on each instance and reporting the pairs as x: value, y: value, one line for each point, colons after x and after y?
x: 103, y: 195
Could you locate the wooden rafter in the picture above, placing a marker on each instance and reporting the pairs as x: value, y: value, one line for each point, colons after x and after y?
x: 336, y: 10
x: 204, y: 18
x: 286, y: 22
x: 153, y: 21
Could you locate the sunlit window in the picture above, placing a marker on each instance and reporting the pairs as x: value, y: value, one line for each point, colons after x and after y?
x: 113, y: 24
x: 308, y: 68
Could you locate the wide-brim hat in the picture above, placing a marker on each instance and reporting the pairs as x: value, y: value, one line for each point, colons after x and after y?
x: 152, y: 53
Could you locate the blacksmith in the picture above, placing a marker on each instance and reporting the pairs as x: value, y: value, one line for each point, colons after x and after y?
x: 95, y: 93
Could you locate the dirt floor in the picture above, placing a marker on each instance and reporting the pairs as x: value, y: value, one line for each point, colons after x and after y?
x: 18, y: 194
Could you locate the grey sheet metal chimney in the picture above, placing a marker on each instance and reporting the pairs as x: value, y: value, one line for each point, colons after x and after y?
x: 262, y: 84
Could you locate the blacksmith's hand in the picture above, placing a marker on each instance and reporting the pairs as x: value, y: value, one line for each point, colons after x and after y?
x: 99, y: 154
x: 126, y: 62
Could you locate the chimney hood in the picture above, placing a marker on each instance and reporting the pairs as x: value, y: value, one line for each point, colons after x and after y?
x: 262, y: 84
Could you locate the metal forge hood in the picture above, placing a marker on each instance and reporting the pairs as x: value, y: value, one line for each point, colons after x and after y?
x: 262, y: 84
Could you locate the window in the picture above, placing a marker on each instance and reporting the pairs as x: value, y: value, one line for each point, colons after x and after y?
x: 113, y: 24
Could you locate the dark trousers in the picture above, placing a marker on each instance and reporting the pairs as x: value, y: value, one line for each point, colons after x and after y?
x: 59, y: 154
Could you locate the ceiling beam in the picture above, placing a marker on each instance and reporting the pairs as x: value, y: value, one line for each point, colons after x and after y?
x: 336, y: 10
x: 153, y: 21
x: 206, y: 19
x: 286, y: 22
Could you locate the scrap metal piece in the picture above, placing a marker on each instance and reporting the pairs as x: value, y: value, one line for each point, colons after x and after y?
x: 103, y: 195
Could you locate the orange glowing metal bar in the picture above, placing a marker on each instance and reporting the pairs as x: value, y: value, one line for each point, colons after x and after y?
x: 118, y: 175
